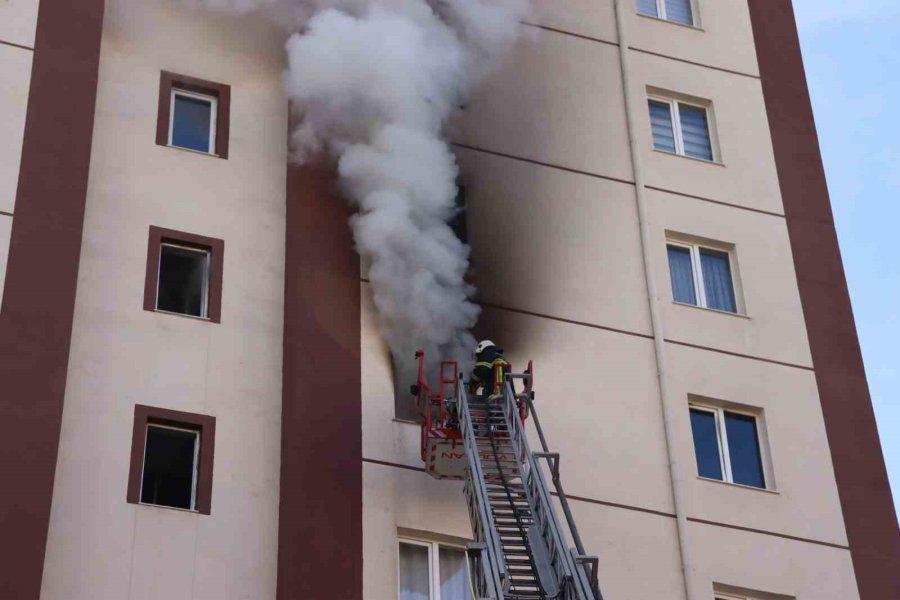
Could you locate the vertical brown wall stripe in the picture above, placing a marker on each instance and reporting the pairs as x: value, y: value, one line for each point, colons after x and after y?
x: 320, y: 514
x: 859, y: 469
x: 41, y: 276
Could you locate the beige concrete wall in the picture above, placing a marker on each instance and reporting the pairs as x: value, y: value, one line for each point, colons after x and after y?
x: 557, y: 259
x: 772, y: 325
x: 771, y: 565
x: 5, y: 231
x: 15, y: 79
x: 18, y: 19
x: 99, y: 546
x: 558, y: 101
x: 803, y: 499
x: 722, y: 37
x: 17, y: 24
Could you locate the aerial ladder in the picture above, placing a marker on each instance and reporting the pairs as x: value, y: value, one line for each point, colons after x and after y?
x: 520, y: 549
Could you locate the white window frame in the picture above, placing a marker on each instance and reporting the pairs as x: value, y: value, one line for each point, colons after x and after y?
x: 434, y: 571
x: 677, y: 132
x: 213, y: 112
x: 697, y: 272
x: 725, y: 455
x: 663, y: 15
x: 204, y: 293
x: 195, y: 470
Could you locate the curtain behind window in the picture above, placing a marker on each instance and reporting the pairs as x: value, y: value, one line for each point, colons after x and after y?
x: 647, y: 7
x: 414, y: 572
x: 682, y: 273
x: 717, y: 280
x: 661, y: 124
x: 695, y: 131
x: 454, y: 579
x: 679, y: 11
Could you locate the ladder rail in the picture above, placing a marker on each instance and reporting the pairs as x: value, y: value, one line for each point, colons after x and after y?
x: 568, y: 573
x: 582, y: 557
x: 491, y: 581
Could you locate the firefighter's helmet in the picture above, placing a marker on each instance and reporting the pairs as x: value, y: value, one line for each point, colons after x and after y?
x: 483, y: 345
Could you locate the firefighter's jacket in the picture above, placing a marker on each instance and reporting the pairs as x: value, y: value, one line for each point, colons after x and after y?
x: 489, y: 372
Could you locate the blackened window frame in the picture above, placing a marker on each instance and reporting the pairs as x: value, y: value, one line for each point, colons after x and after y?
x: 205, y: 425
x: 169, y: 81
x: 216, y: 248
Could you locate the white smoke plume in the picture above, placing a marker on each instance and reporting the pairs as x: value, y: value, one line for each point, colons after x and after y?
x: 373, y: 83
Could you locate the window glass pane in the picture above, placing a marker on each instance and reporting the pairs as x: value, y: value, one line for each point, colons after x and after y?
x: 706, y: 443
x: 717, y: 280
x: 191, y: 123
x: 647, y: 7
x: 682, y: 273
x: 661, y: 124
x: 454, y: 579
x: 695, y: 131
x: 679, y: 11
x: 414, y: 573
x: 743, y: 449
x: 183, y: 280
x: 168, y: 477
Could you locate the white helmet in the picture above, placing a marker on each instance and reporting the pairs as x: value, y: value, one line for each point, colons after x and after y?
x: 483, y: 345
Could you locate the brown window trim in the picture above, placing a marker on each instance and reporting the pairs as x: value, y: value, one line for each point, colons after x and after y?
x: 216, y: 248
x: 206, y: 425
x: 221, y: 91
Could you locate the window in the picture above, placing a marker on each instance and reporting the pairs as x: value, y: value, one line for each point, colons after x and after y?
x: 701, y: 276
x: 192, y: 121
x: 184, y: 274
x: 677, y: 11
x: 680, y: 128
x: 169, y: 477
x: 183, y: 280
x: 727, y: 445
x: 433, y: 571
x: 171, y: 459
x: 193, y: 114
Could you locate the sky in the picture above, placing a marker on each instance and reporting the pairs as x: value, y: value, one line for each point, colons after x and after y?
x: 851, y: 51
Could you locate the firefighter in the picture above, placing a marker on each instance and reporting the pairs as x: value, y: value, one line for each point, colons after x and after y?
x: 490, y: 367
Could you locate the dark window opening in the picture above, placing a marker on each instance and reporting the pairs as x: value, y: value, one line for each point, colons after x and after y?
x: 459, y: 223
x: 183, y: 280
x: 404, y: 401
x: 170, y: 467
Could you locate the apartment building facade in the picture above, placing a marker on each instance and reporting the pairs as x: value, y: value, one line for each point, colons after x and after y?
x: 196, y: 399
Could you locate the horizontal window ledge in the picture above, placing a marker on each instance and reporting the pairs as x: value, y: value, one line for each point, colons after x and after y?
x: 192, y: 151
x: 670, y: 22
x: 715, y: 163
x: 740, y: 486
x: 177, y: 314
x: 184, y: 510
x: 712, y: 310
x: 406, y: 422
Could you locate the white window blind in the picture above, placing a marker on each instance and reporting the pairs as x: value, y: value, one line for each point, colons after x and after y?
x: 679, y: 11
x: 680, y: 128
x: 647, y: 7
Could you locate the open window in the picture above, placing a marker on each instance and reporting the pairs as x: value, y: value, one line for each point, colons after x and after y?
x: 172, y: 459
x: 184, y: 274
x: 193, y: 114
